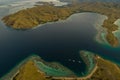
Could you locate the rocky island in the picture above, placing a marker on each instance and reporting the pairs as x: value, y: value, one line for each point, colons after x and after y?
x: 40, y: 14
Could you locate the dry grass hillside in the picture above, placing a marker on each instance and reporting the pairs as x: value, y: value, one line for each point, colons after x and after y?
x: 32, y: 17
x: 29, y: 72
x: 106, y: 70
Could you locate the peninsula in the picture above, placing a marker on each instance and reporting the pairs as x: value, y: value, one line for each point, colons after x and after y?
x: 102, y: 70
x: 99, y: 72
x: 40, y: 14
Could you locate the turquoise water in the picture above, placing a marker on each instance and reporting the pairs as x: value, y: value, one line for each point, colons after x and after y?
x: 91, y: 59
x: 50, y: 71
x: 59, y: 42
x: 117, y: 33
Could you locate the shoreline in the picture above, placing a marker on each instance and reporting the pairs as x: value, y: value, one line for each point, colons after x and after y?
x: 117, y: 32
x: 15, y: 70
x: 34, y: 57
x: 101, y: 32
x: 64, y: 21
x: 11, y: 73
x: 89, y: 58
x: 14, y: 20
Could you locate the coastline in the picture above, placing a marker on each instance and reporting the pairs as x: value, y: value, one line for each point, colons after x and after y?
x: 54, y: 69
x: 11, y: 73
x: 101, y: 32
x: 102, y: 35
x: 117, y: 32
x: 14, y: 20
x: 89, y: 59
x: 35, y: 58
x: 14, y: 71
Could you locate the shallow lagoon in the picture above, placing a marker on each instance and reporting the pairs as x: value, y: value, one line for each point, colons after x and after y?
x: 59, y: 42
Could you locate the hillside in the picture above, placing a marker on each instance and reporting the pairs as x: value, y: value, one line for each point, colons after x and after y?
x: 105, y: 70
x: 32, y: 17
x: 29, y: 71
x: 29, y: 18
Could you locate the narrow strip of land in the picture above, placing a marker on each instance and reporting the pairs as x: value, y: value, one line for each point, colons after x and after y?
x: 77, y: 78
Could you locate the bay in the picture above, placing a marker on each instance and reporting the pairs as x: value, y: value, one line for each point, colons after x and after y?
x: 57, y: 41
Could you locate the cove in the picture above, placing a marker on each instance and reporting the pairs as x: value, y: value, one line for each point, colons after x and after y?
x: 59, y: 42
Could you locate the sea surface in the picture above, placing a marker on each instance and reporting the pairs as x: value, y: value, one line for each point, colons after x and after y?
x: 54, y: 42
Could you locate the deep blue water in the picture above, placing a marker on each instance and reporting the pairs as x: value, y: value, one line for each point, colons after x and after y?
x: 53, y: 42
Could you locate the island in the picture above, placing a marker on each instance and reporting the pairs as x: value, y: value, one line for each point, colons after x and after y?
x: 41, y: 14
x: 34, y: 68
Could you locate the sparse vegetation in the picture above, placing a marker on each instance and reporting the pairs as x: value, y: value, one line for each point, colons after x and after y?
x: 106, y: 71
x: 29, y: 72
x: 111, y: 10
x: 32, y: 17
